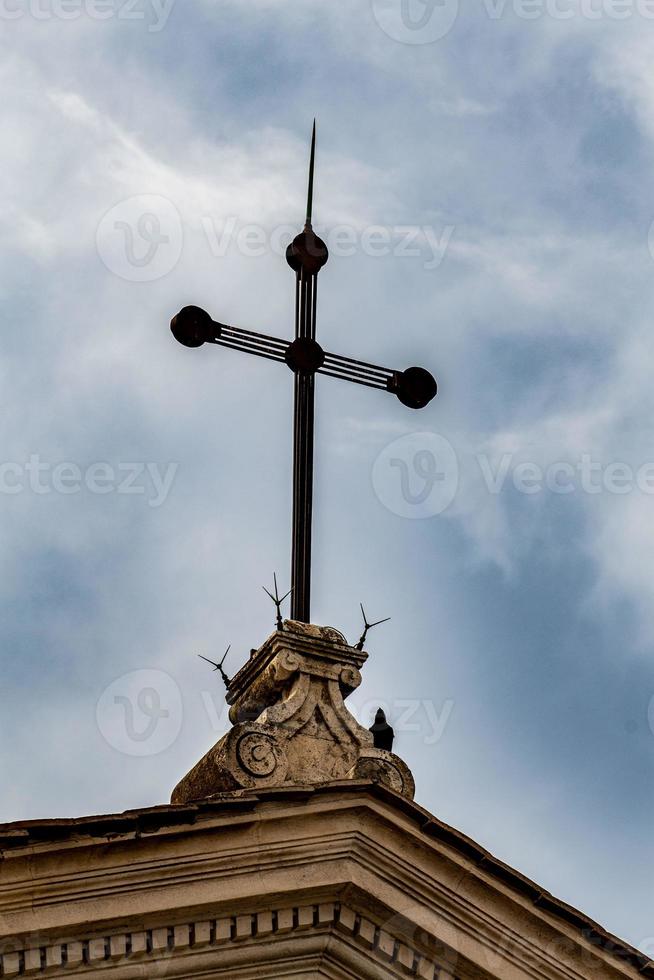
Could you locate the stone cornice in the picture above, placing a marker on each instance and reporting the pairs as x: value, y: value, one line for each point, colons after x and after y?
x: 350, y: 832
x: 189, y: 948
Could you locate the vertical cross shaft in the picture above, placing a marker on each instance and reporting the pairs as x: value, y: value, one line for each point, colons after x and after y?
x: 306, y: 255
x: 303, y: 455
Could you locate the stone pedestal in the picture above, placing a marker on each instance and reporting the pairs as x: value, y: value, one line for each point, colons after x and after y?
x: 291, y: 724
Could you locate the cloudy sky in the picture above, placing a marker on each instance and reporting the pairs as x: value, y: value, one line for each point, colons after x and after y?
x: 484, y: 184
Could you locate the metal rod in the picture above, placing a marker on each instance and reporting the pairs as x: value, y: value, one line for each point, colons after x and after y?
x: 363, y: 364
x: 249, y: 345
x: 335, y: 365
x: 380, y: 386
x: 247, y: 349
x: 278, y: 348
x: 297, y: 306
x: 252, y: 347
x: 303, y: 439
x: 250, y: 334
x: 252, y: 341
x: 302, y: 497
x: 329, y: 370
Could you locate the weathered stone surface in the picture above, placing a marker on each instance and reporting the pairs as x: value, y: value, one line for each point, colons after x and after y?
x: 294, y: 850
x: 339, y: 880
x: 291, y: 725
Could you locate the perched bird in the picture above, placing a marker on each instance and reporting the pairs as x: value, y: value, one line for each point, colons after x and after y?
x: 382, y: 732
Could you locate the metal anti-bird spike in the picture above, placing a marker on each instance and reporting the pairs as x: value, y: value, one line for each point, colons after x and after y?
x: 368, y: 626
x: 414, y: 387
x: 226, y: 680
x: 278, y: 602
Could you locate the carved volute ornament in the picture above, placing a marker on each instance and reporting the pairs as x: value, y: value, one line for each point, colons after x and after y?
x: 290, y: 722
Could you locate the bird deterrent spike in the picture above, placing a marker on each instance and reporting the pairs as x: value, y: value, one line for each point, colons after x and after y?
x: 278, y: 602
x: 368, y: 626
x: 220, y: 666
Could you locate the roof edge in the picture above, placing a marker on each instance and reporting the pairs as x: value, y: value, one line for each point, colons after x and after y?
x: 150, y: 820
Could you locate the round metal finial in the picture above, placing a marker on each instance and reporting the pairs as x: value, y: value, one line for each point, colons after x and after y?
x: 416, y: 387
x: 192, y: 326
x: 307, y: 252
x: 305, y: 354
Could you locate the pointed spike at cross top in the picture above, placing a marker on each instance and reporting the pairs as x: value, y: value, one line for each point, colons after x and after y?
x: 415, y: 387
x: 312, y: 169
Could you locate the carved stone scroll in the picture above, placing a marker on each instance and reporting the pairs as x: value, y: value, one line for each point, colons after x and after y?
x: 291, y: 724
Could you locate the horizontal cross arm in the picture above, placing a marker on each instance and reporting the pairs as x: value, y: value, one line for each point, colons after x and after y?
x: 249, y: 342
x: 347, y: 369
x: 334, y: 365
x: 415, y: 387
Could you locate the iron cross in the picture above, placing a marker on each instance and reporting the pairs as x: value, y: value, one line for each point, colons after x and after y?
x: 415, y: 387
